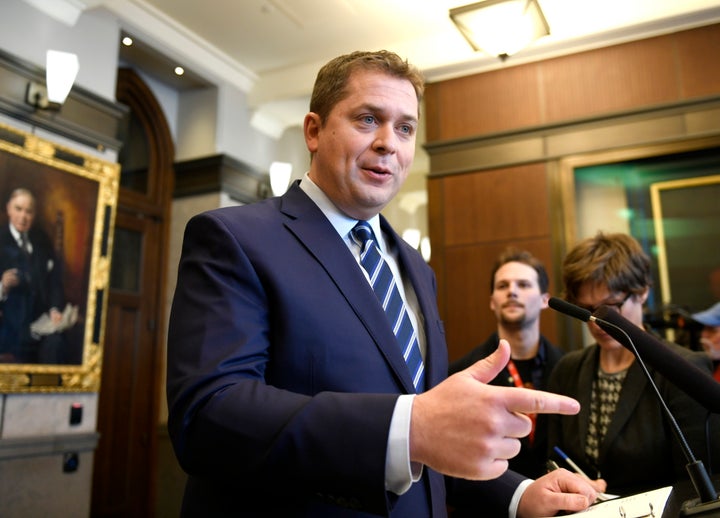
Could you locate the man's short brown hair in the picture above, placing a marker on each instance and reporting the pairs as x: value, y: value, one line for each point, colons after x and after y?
x: 515, y: 255
x: 331, y: 81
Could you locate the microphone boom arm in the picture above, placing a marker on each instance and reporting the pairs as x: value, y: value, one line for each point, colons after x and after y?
x: 695, y: 468
x: 708, y: 502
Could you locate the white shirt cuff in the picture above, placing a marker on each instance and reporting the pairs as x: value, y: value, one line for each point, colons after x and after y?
x: 515, y: 502
x: 400, y: 473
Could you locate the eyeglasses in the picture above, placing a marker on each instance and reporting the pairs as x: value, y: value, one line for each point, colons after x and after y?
x: 615, y: 306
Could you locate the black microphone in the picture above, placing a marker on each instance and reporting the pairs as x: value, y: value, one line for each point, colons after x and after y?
x: 569, y: 309
x: 622, y: 329
x: 687, y: 376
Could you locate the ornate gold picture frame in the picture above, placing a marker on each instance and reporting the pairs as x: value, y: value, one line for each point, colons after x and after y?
x: 685, y: 217
x: 54, y: 291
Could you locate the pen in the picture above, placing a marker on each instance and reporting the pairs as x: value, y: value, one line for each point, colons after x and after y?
x: 601, y: 497
x: 551, y: 465
x: 570, y: 462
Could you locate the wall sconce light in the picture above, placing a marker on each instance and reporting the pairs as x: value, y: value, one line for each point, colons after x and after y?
x: 412, y: 237
x: 61, y: 70
x: 280, y: 177
x: 500, y: 27
x: 425, y: 248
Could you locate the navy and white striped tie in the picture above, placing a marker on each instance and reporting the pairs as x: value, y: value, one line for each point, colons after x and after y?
x: 383, y: 283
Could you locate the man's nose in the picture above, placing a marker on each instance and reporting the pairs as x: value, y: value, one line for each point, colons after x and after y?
x: 385, y: 139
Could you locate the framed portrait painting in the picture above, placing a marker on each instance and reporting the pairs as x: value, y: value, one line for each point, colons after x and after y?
x: 56, y: 231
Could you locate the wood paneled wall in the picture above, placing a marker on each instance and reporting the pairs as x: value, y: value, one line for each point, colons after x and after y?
x: 476, y: 209
x: 649, y: 72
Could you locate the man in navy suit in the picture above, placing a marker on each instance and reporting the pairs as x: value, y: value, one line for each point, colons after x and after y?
x: 288, y: 393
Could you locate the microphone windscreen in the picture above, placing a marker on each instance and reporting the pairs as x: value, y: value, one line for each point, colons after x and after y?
x: 569, y: 309
x: 688, y: 377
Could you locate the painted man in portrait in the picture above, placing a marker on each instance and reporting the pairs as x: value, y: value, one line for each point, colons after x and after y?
x: 30, y: 287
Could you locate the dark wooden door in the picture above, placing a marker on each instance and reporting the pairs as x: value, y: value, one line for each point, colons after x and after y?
x: 127, y: 414
x: 125, y: 470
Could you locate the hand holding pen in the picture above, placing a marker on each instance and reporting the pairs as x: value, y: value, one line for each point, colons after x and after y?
x: 601, y: 495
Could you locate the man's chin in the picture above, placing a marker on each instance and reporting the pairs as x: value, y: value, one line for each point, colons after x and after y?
x: 513, y: 314
x: 514, y: 322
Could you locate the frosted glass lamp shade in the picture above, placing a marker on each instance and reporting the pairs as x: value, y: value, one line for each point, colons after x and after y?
x: 280, y: 177
x: 61, y: 70
x: 500, y: 27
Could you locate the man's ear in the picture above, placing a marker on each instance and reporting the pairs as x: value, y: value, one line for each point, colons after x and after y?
x: 311, y: 129
x: 545, y: 299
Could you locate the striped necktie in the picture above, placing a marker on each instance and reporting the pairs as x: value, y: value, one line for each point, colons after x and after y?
x: 383, y: 283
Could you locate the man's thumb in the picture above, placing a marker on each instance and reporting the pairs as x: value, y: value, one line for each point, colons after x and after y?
x: 486, y: 369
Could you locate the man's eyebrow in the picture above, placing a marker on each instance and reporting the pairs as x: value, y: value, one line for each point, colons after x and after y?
x: 413, y: 119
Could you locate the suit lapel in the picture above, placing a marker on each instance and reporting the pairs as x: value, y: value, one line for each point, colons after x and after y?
x: 311, y: 227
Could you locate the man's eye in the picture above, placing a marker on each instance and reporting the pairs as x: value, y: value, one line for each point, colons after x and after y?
x: 406, y: 129
x: 368, y: 119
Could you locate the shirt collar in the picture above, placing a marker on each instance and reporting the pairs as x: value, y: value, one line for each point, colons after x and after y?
x: 15, y: 233
x: 342, y: 223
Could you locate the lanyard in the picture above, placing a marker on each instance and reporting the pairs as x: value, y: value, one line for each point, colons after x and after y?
x: 517, y: 380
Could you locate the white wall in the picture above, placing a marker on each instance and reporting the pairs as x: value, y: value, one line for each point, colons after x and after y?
x: 235, y: 136
x: 28, y: 33
x: 197, y: 124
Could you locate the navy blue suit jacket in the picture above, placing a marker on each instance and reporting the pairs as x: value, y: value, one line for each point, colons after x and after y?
x: 283, y: 371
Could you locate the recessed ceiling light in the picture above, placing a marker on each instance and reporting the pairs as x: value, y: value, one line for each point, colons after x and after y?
x: 127, y: 41
x: 179, y: 71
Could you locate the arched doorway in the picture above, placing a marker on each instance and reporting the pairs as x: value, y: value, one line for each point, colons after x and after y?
x: 125, y: 471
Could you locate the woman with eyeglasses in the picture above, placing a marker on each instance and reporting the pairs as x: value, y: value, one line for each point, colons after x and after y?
x: 621, y: 434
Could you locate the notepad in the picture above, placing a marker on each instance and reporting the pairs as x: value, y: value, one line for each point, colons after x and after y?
x: 641, y: 505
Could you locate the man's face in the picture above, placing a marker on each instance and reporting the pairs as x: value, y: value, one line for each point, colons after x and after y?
x: 21, y: 212
x: 516, y: 297
x: 364, y: 150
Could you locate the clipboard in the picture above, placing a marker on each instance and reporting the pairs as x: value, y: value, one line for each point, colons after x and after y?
x: 641, y: 505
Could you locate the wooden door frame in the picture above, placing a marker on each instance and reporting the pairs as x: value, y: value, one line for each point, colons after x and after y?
x: 155, y: 203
